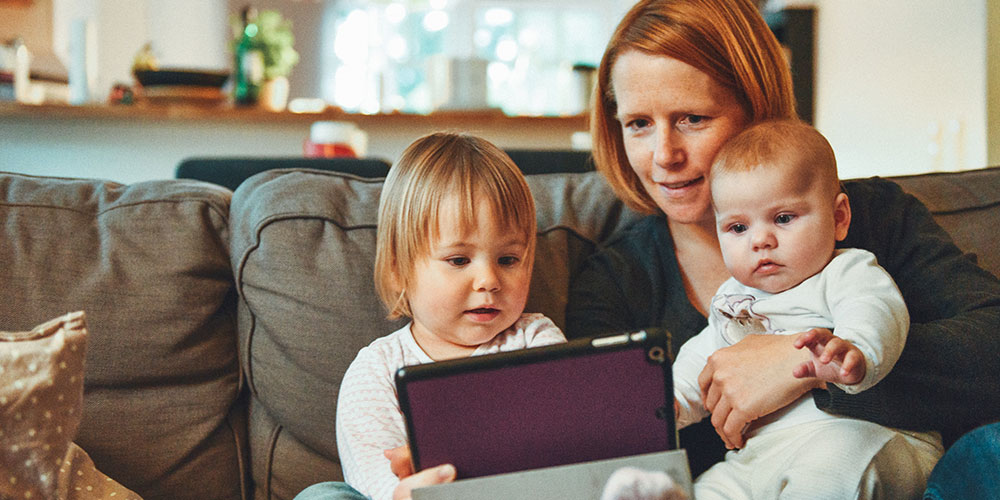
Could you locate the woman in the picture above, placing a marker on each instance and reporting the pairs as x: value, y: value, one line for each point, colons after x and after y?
x: 678, y: 79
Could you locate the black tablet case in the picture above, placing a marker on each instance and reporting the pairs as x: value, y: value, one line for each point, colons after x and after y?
x: 588, y: 399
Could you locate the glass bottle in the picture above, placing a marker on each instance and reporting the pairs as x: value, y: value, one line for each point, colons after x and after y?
x: 249, y: 65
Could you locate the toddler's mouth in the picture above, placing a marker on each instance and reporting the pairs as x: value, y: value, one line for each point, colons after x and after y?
x: 483, y: 310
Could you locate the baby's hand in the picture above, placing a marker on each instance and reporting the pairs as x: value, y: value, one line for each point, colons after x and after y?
x: 833, y: 358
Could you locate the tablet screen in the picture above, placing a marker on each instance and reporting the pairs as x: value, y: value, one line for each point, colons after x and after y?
x: 588, y: 399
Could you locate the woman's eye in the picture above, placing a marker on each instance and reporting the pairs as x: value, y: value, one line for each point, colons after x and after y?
x: 784, y: 218
x: 694, y: 120
x: 458, y: 261
x: 637, y: 124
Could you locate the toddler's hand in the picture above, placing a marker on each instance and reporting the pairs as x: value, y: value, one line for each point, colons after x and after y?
x: 833, y: 358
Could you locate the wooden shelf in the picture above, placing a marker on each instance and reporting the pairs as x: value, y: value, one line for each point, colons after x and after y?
x: 225, y: 113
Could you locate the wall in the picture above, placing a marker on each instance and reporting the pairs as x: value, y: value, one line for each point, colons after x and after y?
x: 108, y: 146
x: 32, y: 21
x: 891, y: 76
x: 901, y: 84
x: 993, y: 81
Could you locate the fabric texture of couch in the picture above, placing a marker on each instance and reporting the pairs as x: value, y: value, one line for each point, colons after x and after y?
x: 220, y: 324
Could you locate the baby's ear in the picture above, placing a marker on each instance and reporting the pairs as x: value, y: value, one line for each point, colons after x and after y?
x: 841, y: 216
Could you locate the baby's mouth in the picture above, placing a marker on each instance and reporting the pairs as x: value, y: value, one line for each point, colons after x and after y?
x: 767, y: 266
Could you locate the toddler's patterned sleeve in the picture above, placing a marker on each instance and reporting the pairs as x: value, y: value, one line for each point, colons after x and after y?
x: 542, y: 331
x: 368, y: 423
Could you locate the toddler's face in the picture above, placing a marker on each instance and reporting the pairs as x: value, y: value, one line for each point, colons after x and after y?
x: 471, y: 286
x: 776, y: 230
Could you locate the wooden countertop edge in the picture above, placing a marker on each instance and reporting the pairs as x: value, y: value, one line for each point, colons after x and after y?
x: 227, y: 113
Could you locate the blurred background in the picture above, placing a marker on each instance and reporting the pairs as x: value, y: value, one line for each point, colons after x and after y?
x: 897, y: 86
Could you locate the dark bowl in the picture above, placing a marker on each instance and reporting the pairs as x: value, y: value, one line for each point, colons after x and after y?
x: 149, y: 78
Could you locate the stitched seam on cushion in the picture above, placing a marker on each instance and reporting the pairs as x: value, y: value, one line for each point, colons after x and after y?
x: 972, y: 208
x: 567, y: 229
x: 241, y: 268
x: 272, y: 444
x: 241, y: 463
x: 213, y: 206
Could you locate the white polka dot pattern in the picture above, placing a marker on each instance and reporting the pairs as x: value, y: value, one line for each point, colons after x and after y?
x: 41, y: 397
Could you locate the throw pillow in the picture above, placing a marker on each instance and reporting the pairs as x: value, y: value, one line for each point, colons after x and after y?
x: 41, y: 397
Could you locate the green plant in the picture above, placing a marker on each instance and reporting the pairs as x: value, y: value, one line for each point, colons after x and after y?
x: 273, y: 39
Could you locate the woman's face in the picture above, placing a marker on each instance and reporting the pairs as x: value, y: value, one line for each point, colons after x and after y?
x: 674, y: 120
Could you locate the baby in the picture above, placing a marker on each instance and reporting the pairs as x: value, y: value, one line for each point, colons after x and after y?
x: 779, y: 212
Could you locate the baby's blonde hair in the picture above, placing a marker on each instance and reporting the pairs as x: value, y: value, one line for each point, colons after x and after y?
x: 433, y: 168
x: 788, y: 143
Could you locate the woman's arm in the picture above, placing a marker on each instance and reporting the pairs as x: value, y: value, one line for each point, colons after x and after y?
x: 947, y: 376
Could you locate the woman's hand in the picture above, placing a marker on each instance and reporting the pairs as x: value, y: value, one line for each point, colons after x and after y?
x: 749, y: 380
x: 401, y: 463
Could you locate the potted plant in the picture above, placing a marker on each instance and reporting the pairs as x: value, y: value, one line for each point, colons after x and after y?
x: 266, y: 38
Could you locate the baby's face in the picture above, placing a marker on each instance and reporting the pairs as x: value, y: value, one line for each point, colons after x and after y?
x: 775, y: 230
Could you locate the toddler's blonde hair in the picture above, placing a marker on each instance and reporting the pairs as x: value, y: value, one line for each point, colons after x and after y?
x: 434, y: 168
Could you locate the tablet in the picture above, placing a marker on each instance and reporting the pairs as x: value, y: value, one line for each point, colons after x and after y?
x: 588, y: 399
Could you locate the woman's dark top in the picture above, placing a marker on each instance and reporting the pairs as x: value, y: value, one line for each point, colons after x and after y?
x: 948, y: 377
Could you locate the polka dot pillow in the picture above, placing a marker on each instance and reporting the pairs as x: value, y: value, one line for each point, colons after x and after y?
x: 41, y: 396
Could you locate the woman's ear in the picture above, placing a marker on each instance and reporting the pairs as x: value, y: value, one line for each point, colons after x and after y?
x: 841, y: 216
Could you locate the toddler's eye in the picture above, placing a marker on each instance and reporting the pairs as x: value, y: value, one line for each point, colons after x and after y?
x: 509, y: 260
x: 458, y: 261
x: 738, y: 228
x: 784, y: 218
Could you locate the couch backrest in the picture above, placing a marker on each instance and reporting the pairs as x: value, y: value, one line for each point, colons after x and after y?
x: 149, y: 264
x: 967, y: 205
x: 303, y: 251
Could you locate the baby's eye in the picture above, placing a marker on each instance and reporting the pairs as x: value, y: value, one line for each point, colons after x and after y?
x: 737, y: 228
x: 784, y: 218
x: 509, y: 260
x: 457, y: 261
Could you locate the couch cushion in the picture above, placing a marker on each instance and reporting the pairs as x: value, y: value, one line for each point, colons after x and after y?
x: 303, y: 252
x: 149, y: 265
x: 967, y: 205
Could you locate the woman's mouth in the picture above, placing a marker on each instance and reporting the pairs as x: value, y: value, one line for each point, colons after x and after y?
x: 679, y: 186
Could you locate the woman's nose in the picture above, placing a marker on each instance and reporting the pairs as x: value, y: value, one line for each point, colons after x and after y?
x: 668, y: 150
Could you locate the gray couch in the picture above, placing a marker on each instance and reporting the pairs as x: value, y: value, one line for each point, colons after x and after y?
x: 221, y: 323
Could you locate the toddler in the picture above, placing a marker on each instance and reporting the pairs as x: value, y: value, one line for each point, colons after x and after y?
x: 454, y: 253
x: 779, y: 212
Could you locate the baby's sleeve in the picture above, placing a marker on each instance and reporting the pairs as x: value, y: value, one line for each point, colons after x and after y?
x: 868, y: 310
x: 689, y: 363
